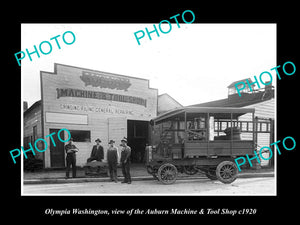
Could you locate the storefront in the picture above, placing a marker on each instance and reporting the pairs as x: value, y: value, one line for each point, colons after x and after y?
x: 94, y: 104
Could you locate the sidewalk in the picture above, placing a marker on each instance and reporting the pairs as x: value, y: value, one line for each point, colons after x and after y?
x: 138, y: 172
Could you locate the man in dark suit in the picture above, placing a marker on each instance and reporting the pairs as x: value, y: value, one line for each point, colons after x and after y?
x: 97, y: 152
x: 71, y: 150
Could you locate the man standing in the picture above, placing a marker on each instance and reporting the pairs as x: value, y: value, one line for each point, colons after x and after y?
x: 97, y: 152
x: 71, y: 158
x: 125, y: 161
x: 112, y: 160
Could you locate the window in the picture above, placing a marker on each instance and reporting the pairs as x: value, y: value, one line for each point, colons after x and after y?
x: 231, y: 128
x: 173, y: 129
x: 196, y: 126
x: 81, y: 135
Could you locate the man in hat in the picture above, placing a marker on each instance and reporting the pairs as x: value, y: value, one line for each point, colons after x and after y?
x: 97, y: 152
x: 71, y: 150
x: 125, y: 161
x: 112, y: 160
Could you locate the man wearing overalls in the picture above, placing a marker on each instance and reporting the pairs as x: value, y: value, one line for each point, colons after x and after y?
x: 125, y: 161
x: 112, y: 160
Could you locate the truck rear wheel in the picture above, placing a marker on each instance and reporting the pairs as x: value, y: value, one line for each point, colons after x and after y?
x: 226, y: 172
x: 167, y: 173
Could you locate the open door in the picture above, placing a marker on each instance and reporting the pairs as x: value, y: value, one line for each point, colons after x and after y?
x: 57, y: 153
x: 137, y: 136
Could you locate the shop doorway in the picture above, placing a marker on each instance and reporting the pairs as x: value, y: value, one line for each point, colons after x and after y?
x: 137, y: 137
x: 57, y: 153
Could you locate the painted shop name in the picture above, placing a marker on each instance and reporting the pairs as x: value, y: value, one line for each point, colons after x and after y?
x: 70, y: 92
x: 85, y: 108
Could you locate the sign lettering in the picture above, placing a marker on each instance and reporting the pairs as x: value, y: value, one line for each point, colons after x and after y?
x: 70, y: 92
x: 104, y: 81
x: 105, y: 110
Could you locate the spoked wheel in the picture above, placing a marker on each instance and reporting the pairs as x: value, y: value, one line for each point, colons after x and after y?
x: 190, y: 170
x: 167, y: 173
x: 226, y: 172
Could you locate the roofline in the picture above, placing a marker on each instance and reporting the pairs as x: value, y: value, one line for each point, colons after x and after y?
x: 96, y: 71
x: 34, y: 105
x: 189, y: 109
x: 172, y: 98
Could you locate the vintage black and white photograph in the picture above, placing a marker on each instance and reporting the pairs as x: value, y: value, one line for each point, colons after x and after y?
x: 133, y: 109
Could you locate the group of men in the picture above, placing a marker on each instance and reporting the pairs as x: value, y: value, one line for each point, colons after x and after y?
x: 98, y: 154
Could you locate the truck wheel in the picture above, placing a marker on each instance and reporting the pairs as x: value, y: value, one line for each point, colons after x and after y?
x: 190, y: 170
x: 226, y: 172
x: 167, y: 173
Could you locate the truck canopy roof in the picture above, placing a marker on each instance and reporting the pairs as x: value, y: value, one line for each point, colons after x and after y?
x: 225, y: 111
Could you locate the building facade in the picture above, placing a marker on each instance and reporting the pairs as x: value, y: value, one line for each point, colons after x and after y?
x: 90, y: 104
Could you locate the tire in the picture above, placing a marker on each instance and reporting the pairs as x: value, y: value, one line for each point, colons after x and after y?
x: 167, y: 173
x: 189, y: 170
x: 226, y: 172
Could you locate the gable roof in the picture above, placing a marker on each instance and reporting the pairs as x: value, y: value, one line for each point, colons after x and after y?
x: 34, y: 105
x: 171, y: 98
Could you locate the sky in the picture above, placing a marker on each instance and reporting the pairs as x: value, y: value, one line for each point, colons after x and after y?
x: 194, y: 63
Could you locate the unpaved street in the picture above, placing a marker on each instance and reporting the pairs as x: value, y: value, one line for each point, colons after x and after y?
x: 242, y: 186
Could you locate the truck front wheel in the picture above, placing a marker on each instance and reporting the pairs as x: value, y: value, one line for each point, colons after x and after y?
x: 167, y: 173
x: 226, y: 172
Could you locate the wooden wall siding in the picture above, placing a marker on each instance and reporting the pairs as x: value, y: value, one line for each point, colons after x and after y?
x: 266, y: 110
x: 69, y: 77
x: 105, y: 119
x: 32, y: 119
x: 66, y: 118
x: 264, y: 140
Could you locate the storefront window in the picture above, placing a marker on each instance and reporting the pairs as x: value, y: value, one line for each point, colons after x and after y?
x: 81, y: 135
